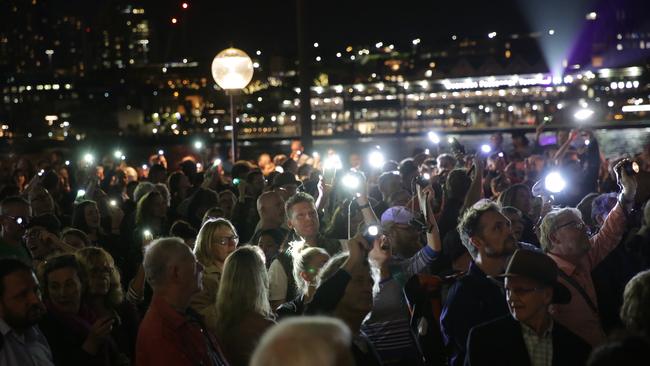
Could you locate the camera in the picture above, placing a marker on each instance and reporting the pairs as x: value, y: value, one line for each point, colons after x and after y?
x: 423, y: 180
x: 456, y: 147
x: 630, y: 167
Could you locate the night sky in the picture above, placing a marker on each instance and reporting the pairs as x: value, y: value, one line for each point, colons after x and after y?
x: 334, y: 24
x: 270, y: 25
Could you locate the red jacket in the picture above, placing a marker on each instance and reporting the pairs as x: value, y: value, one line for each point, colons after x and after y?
x: 168, y: 337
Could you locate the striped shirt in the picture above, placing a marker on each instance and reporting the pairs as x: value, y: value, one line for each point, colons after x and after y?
x: 388, y: 325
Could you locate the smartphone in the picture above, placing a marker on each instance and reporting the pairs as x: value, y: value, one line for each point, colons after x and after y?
x: 370, y: 235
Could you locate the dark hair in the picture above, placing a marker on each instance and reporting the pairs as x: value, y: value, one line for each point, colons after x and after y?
x: 457, y: 184
x: 201, y: 197
x: 12, y: 200
x: 252, y: 174
x: 157, y: 168
x: 58, y: 262
x: 522, y: 136
x: 78, y: 215
x: 469, y: 224
x: 276, y: 234
x: 182, y: 229
x: 297, y: 198
x: 507, y: 197
x: 407, y: 166
x: 511, y: 210
x: 174, y: 181
x: 50, y: 180
x: 305, y: 170
x: 48, y: 221
x: 9, y: 266
x: 240, y: 169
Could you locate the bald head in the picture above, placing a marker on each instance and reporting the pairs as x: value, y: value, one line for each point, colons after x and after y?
x: 270, y: 207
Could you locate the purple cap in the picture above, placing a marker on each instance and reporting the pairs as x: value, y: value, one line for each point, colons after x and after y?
x: 397, y: 215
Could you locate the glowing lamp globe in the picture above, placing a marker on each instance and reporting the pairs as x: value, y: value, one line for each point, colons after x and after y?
x: 232, y: 69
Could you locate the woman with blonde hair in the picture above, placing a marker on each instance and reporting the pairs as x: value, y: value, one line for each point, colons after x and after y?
x: 104, y: 297
x: 216, y: 240
x: 307, y: 263
x: 243, y: 308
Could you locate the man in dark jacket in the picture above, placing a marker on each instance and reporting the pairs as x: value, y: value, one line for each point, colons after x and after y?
x: 474, y: 298
x: 528, y: 336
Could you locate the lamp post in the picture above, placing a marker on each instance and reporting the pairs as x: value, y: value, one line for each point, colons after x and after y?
x: 232, y: 70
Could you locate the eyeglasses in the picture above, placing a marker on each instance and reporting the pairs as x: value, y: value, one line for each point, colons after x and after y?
x: 521, y: 291
x: 225, y: 240
x: 578, y: 225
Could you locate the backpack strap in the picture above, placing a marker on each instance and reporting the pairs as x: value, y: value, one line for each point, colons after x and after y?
x: 580, y: 290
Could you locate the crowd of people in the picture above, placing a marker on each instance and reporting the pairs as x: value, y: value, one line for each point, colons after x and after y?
x: 530, y: 255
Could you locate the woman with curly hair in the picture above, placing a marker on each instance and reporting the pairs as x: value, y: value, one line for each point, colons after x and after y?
x: 104, y: 297
x: 75, y: 334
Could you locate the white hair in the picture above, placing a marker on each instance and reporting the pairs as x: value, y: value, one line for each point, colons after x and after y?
x: 142, y: 189
x: 308, y: 340
x: 159, y: 255
x: 549, y: 224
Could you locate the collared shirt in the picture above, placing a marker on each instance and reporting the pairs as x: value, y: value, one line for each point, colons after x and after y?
x: 540, y: 348
x: 169, y: 337
x: 577, y: 315
x: 27, y: 349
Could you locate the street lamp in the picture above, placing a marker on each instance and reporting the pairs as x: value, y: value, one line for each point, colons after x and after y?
x: 232, y: 70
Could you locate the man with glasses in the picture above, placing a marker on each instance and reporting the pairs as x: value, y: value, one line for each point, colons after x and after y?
x: 399, y: 255
x: 14, y: 218
x: 565, y: 238
x: 528, y: 335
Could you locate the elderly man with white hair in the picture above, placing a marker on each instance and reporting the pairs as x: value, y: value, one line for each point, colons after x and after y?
x: 565, y: 238
x: 171, y: 333
x: 310, y: 340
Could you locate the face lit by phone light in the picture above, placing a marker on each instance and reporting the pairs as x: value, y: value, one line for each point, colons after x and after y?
x: 64, y: 290
x: 37, y: 244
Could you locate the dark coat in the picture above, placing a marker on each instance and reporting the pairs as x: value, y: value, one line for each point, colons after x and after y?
x: 474, y: 299
x: 501, y: 342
